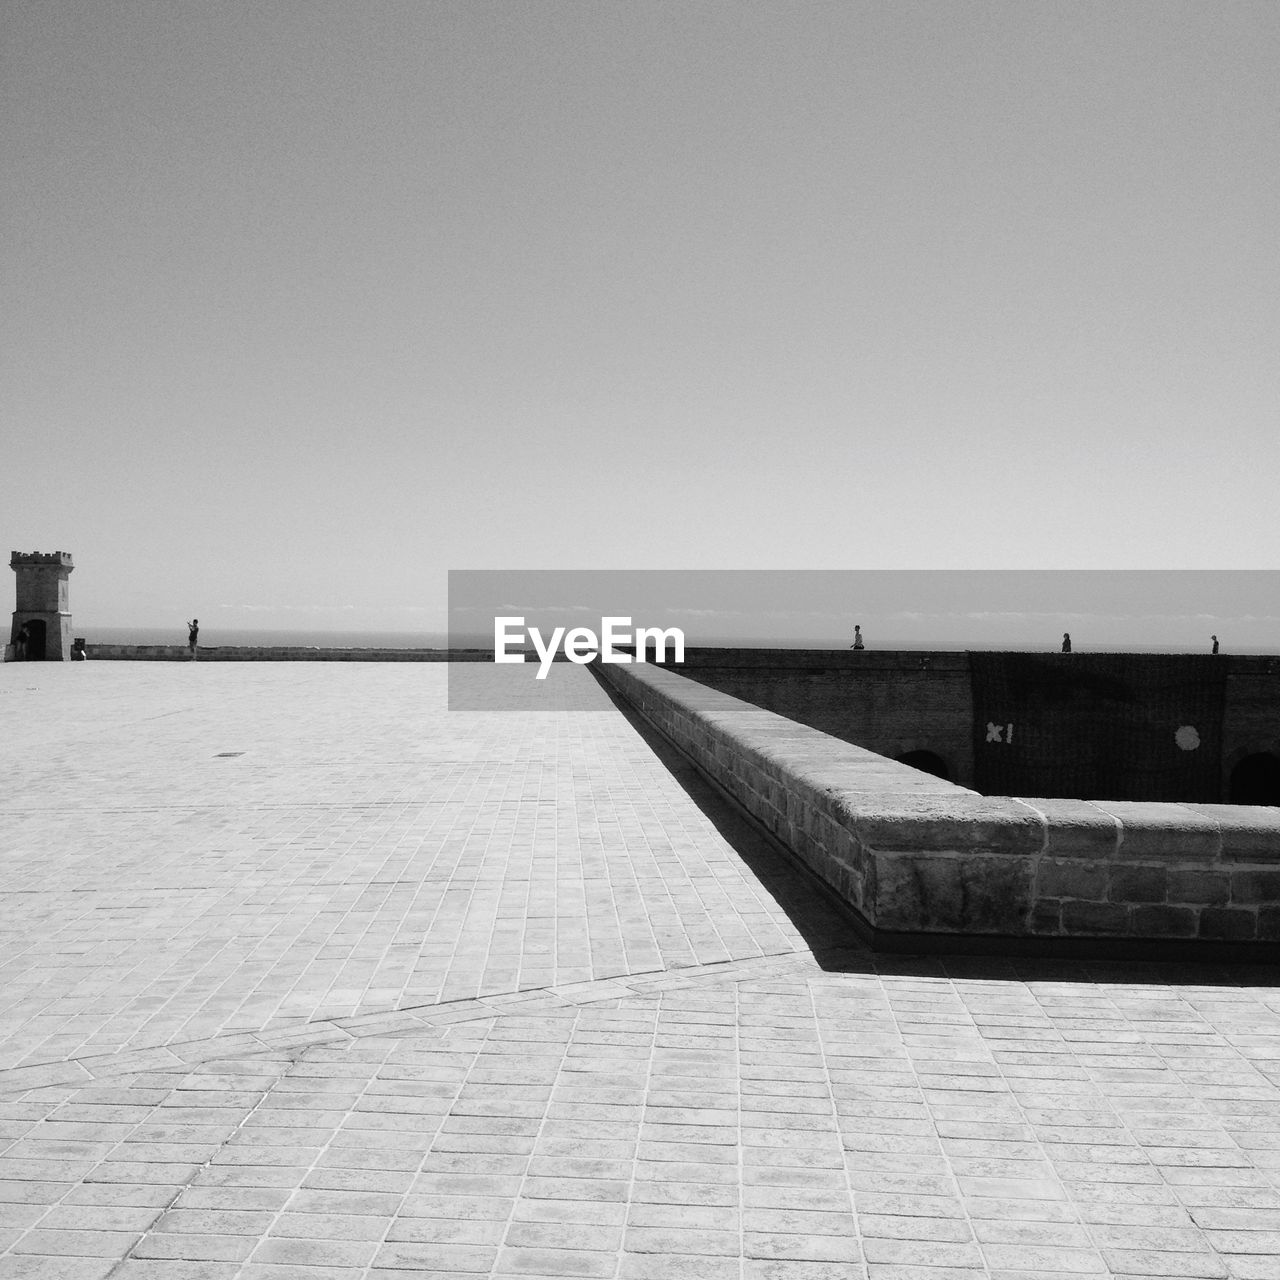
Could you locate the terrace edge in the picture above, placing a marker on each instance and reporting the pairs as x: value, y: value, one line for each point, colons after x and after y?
x: 929, y: 865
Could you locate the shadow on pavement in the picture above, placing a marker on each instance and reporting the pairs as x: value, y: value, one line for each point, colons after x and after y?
x: 833, y: 930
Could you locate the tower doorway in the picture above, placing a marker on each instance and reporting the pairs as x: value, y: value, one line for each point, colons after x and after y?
x: 35, y: 640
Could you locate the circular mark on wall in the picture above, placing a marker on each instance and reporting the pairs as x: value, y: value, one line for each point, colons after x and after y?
x: 1187, y: 738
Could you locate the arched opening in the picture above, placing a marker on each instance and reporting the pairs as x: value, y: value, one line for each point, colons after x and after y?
x: 35, y: 640
x: 1256, y: 780
x: 927, y: 762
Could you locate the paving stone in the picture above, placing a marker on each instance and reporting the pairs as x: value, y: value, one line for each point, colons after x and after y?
x: 169, y: 1269
x: 74, y: 1243
x: 1159, y: 1263
x: 556, y: 1262
x: 789, y: 1269
x: 31, y: 1267
x: 654, y: 1266
x: 681, y: 1240
x: 325, y: 1253
x: 112, y: 1218
x: 437, y: 1259
x: 195, y: 1247
x: 1054, y: 1259
x: 298, y: 1271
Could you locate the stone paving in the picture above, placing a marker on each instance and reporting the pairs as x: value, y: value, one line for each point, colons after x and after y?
x: 394, y: 991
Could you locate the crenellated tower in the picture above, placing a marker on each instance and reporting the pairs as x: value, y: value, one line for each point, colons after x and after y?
x: 42, y: 604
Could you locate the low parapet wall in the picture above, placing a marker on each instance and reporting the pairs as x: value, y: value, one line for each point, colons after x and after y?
x: 276, y: 653
x: 925, y: 863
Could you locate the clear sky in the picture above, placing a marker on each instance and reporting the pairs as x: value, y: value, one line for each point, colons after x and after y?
x: 305, y: 303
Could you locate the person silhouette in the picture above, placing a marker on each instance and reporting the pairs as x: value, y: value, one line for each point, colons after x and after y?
x: 857, y: 639
x: 1066, y: 642
x: 1215, y: 644
x: 193, y: 636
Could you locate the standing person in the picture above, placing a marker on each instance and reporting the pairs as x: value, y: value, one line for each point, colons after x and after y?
x: 857, y: 638
x: 1066, y: 642
x: 20, y: 644
x: 193, y: 637
x: 1215, y: 643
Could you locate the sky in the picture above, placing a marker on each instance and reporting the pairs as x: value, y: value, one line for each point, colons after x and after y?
x: 308, y: 303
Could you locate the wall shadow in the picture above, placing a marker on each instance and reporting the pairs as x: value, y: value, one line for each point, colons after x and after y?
x: 834, y: 932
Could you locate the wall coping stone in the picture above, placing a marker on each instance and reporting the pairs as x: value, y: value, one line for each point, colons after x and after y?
x: 935, y: 659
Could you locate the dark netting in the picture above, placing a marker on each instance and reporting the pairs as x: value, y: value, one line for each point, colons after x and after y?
x: 1098, y: 726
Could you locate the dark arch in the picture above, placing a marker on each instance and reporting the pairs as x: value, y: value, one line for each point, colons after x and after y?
x: 1256, y: 780
x: 926, y: 762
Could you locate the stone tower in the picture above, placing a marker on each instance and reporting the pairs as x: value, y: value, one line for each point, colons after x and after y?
x: 42, y: 604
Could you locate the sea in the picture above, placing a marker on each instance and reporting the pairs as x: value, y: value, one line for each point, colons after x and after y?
x: 253, y: 637
x: 441, y: 640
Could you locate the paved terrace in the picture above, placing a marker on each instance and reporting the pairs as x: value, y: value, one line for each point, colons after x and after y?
x: 304, y: 976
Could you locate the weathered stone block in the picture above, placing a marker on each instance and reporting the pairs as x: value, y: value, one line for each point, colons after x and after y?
x: 777, y: 795
x: 851, y: 885
x: 1137, y: 884
x: 1095, y: 918
x: 1208, y: 888
x: 1046, y: 916
x: 1076, y: 828
x: 1164, y: 832
x: 1269, y: 924
x: 955, y: 895
x: 772, y: 818
x: 939, y: 823
x: 1229, y: 923
x: 1073, y: 878
x: 813, y: 820
x: 1253, y: 888
x: 1248, y: 833
x: 1164, y: 922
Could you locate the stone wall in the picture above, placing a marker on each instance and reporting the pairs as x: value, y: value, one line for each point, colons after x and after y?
x: 1251, y: 715
x: 892, y: 701
x: 1139, y: 726
x: 928, y: 863
x: 277, y: 653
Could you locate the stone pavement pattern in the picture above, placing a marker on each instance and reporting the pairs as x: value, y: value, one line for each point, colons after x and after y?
x: 401, y: 992
x: 362, y: 849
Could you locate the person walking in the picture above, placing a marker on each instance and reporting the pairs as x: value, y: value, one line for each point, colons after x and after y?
x: 1066, y: 642
x: 1215, y: 644
x: 857, y: 638
x: 193, y: 637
